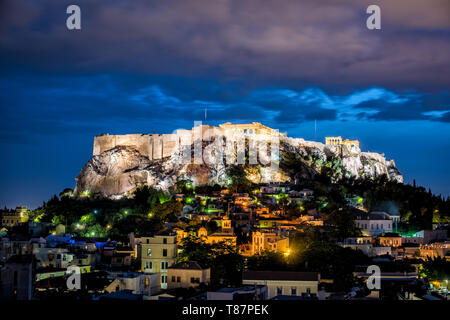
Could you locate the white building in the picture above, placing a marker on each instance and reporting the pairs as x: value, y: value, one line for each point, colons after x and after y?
x: 374, y: 223
x: 281, y: 283
x: 252, y: 292
x: 140, y: 283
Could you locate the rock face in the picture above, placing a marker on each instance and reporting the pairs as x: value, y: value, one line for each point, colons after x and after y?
x: 116, y: 172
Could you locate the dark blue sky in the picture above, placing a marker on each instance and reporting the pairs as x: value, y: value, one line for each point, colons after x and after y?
x: 151, y: 66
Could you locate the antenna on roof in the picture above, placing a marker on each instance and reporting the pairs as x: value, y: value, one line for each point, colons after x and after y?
x: 315, y: 129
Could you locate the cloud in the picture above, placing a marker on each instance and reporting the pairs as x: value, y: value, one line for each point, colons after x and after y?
x: 321, y: 43
x: 392, y: 106
x: 47, y: 104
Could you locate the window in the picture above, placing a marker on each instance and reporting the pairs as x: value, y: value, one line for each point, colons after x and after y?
x: 195, y: 280
x: 163, y: 279
x: 164, y: 265
x: 148, y: 265
x: 165, y: 240
x: 149, y: 252
x: 164, y: 252
x: 293, y: 291
x: 178, y: 279
x: 308, y: 290
x: 148, y: 241
x: 279, y: 291
x: 173, y: 278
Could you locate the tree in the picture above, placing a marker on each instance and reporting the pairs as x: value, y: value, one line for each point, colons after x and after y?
x: 170, y: 209
x: 341, y: 223
x: 436, y: 269
x: 238, y: 179
x: 225, y: 262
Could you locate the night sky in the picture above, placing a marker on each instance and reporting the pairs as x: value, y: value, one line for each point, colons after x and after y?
x: 151, y: 67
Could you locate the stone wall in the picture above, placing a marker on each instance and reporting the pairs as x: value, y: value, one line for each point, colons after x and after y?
x: 158, y: 146
x: 142, y: 142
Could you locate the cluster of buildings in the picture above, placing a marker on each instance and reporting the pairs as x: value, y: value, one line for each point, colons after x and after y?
x: 379, y: 237
x: 36, y: 268
x: 268, y: 228
x: 38, y: 265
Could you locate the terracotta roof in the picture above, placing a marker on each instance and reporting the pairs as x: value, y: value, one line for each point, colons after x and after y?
x: 280, y: 275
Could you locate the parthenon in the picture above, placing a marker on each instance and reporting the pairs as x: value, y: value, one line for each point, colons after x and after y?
x: 253, y: 128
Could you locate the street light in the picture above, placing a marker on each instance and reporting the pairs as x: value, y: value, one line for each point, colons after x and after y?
x: 287, y: 253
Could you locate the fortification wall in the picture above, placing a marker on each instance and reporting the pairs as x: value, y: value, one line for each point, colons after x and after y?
x: 158, y: 146
x: 142, y: 142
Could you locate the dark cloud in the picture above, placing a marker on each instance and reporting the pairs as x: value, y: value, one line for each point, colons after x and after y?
x: 445, y: 117
x: 44, y: 104
x: 322, y: 43
x: 153, y: 66
x: 405, y: 107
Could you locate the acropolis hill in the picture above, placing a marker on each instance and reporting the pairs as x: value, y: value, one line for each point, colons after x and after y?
x: 120, y: 163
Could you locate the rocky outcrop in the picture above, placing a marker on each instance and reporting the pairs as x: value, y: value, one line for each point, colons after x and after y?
x: 118, y: 171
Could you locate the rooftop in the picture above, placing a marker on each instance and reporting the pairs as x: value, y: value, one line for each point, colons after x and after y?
x: 280, y: 275
x: 375, y: 215
x: 188, y: 265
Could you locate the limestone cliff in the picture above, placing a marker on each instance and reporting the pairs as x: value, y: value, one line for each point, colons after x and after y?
x: 116, y: 172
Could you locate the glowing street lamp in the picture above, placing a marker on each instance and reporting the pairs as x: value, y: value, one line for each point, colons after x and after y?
x: 287, y: 253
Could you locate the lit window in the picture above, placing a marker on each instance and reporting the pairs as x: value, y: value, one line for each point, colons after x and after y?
x: 149, y: 252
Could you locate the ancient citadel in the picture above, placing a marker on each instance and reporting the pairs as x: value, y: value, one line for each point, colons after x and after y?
x: 120, y: 163
x: 158, y: 146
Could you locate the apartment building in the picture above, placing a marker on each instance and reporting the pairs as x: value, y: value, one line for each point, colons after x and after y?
x: 158, y: 253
